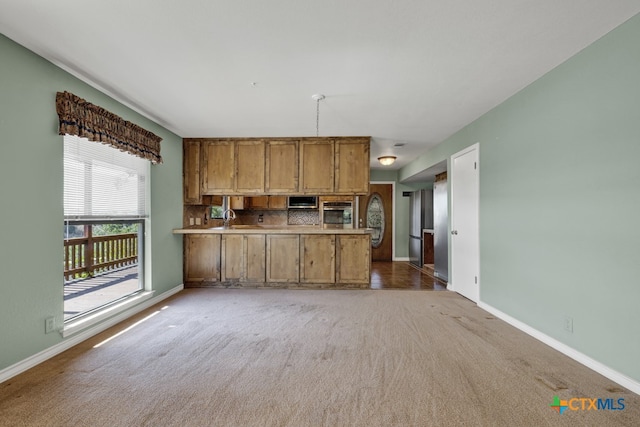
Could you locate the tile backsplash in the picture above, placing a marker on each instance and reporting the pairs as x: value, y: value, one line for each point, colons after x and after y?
x: 303, y: 217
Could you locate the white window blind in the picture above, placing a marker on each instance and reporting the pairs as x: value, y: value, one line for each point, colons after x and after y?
x: 102, y: 182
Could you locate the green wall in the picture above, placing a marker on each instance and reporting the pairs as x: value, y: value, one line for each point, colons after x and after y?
x: 31, y: 215
x: 560, y: 200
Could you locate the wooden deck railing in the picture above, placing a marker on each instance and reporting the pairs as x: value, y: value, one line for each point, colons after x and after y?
x: 91, y: 255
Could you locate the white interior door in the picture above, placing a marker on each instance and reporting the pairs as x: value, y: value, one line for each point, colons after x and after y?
x: 465, y: 242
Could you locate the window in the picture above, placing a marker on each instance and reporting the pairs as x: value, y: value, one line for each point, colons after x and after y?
x: 105, y: 209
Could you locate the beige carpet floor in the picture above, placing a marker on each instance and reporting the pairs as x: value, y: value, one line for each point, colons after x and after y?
x: 217, y: 357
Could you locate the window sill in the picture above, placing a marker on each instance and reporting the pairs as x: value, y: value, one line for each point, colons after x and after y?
x: 78, y: 325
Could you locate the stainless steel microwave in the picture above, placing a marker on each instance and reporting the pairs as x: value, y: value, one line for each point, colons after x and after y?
x: 303, y: 202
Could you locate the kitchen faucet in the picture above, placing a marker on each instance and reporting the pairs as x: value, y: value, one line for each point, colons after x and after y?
x: 227, y: 216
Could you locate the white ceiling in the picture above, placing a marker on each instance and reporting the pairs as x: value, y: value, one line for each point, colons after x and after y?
x: 407, y: 72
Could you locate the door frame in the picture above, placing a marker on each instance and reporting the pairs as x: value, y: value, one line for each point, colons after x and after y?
x: 452, y: 189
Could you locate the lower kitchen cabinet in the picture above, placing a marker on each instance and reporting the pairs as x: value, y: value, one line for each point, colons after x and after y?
x: 202, y: 258
x: 283, y: 258
x: 243, y: 258
x: 317, y: 258
x: 255, y: 257
x: 353, y: 255
x: 277, y: 259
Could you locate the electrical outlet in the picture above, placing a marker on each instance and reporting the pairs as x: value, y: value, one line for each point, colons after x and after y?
x: 568, y: 323
x: 49, y: 325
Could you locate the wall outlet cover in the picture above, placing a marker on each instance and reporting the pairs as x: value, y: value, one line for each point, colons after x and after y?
x: 568, y: 323
x: 49, y: 325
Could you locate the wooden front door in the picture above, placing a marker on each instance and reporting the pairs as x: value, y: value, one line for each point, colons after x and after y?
x: 383, y: 251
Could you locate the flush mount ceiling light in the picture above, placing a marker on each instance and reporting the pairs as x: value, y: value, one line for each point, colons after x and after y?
x: 317, y: 97
x: 386, y: 160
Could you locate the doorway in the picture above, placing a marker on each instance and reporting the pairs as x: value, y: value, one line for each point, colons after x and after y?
x: 376, y: 211
x: 465, y: 250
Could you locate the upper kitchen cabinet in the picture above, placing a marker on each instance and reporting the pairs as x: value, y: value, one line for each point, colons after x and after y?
x: 281, y: 167
x: 191, y: 172
x: 352, y: 166
x: 232, y: 167
x: 250, y: 167
x: 276, y: 166
x: 218, y: 163
x: 317, y: 161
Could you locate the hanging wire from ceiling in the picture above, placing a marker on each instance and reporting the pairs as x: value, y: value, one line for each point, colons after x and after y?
x: 317, y: 97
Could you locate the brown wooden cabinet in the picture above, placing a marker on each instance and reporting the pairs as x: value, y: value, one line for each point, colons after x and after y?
x: 317, y: 160
x: 276, y: 166
x: 237, y: 202
x: 257, y: 202
x: 231, y: 258
x: 263, y: 202
x: 265, y: 258
x: 353, y: 259
x: 352, y: 166
x: 255, y: 253
x: 250, y: 167
x: 317, y: 258
x: 278, y: 202
x: 243, y: 258
x: 281, y: 167
x: 202, y: 258
x: 232, y: 167
x: 283, y: 258
x: 218, y: 160
x: 191, y: 172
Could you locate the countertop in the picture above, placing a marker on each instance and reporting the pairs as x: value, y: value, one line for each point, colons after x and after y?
x: 271, y: 229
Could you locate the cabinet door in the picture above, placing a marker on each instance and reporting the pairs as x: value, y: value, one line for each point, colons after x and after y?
x: 254, y: 258
x: 202, y: 258
x: 232, y: 258
x: 318, y: 258
x: 352, y: 166
x: 191, y: 172
x: 243, y: 258
x: 237, y: 203
x: 250, y: 159
x: 282, y: 167
x: 283, y: 255
x: 278, y: 202
x: 219, y: 167
x: 316, y: 166
x: 353, y: 259
x: 258, y: 202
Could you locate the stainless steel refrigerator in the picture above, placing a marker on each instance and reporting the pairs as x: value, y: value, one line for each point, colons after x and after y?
x: 420, y: 218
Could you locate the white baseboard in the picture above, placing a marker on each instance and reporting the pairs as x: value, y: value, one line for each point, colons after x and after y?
x: 590, y: 363
x: 401, y: 258
x: 77, y: 338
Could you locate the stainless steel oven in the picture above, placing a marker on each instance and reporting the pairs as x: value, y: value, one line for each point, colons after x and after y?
x: 337, y: 215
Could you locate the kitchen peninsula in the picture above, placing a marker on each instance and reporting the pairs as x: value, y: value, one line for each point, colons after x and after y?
x: 269, y: 245
x: 277, y: 256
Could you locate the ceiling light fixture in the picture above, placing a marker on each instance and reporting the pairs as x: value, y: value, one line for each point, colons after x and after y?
x: 386, y: 160
x: 317, y: 97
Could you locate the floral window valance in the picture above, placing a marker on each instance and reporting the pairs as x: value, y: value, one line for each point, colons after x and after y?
x: 81, y: 118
